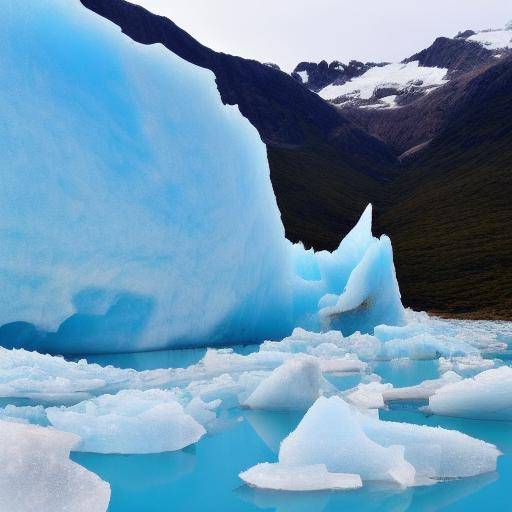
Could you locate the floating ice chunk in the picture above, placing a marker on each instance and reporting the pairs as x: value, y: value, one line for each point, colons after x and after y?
x: 486, y: 396
x: 38, y: 475
x: 269, y: 357
x: 435, y: 453
x: 330, y: 434
x: 298, y: 478
x: 203, y: 412
x: 130, y: 422
x: 371, y: 296
x: 335, y: 434
x: 426, y: 346
x: 421, y: 391
x: 46, y: 378
x: 28, y: 414
x: 369, y: 395
x: 293, y: 386
x: 467, y: 366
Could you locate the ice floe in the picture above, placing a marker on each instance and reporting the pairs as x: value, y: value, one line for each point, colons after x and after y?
x: 302, y: 478
x: 293, y: 386
x: 130, y: 422
x: 330, y: 433
x: 486, y: 396
x: 37, y: 473
x: 467, y: 366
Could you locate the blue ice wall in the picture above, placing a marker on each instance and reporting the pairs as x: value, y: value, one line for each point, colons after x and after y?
x: 136, y: 211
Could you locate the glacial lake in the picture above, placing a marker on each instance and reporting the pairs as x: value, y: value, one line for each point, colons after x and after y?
x: 204, y: 477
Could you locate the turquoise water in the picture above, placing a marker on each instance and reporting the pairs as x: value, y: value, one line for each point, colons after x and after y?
x: 204, y: 477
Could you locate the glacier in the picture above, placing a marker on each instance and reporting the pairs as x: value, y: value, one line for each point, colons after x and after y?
x: 137, y: 211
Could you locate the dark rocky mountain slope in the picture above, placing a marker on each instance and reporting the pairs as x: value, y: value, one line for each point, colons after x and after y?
x: 450, y: 214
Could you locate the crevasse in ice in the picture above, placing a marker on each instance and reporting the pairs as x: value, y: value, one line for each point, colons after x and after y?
x: 136, y: 211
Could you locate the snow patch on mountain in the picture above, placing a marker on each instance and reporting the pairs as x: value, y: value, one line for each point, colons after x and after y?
x: 494, y: 39
x: 396, y: 76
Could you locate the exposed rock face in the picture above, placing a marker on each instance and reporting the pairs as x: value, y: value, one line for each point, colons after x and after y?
x: 320, y: 75
x: 465, y: 34
x: 457, y: 55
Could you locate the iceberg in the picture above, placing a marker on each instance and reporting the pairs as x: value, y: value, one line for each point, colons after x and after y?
x: 368, y: 395
x: 371, y: 296
x: 293, y: 386
x: 335, y: 438
x: 130, y: 422
x: 137, y: 210
x: 487, y: 396
x: 330, y: 434
x: 37, y: 473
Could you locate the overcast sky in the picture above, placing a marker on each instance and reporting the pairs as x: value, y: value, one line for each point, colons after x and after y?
x: 289, y: 31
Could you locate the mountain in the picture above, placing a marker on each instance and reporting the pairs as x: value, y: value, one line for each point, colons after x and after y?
x: 387, y: 85
x: 427, y: 141
x: 450, y: 215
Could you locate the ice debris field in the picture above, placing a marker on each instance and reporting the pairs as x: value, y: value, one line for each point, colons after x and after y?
x: 167, y: 234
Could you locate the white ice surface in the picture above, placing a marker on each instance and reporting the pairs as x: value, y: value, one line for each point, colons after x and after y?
x: 467, y: 366
x: 298, y: 478
x: 421, y: 391
x: 486, y: 396
x: 293, y: 386
x: 130, y: 422
x: 338, y: 436
x: 330, y: 433
x: 37, y: 474
x: 436, y: 453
